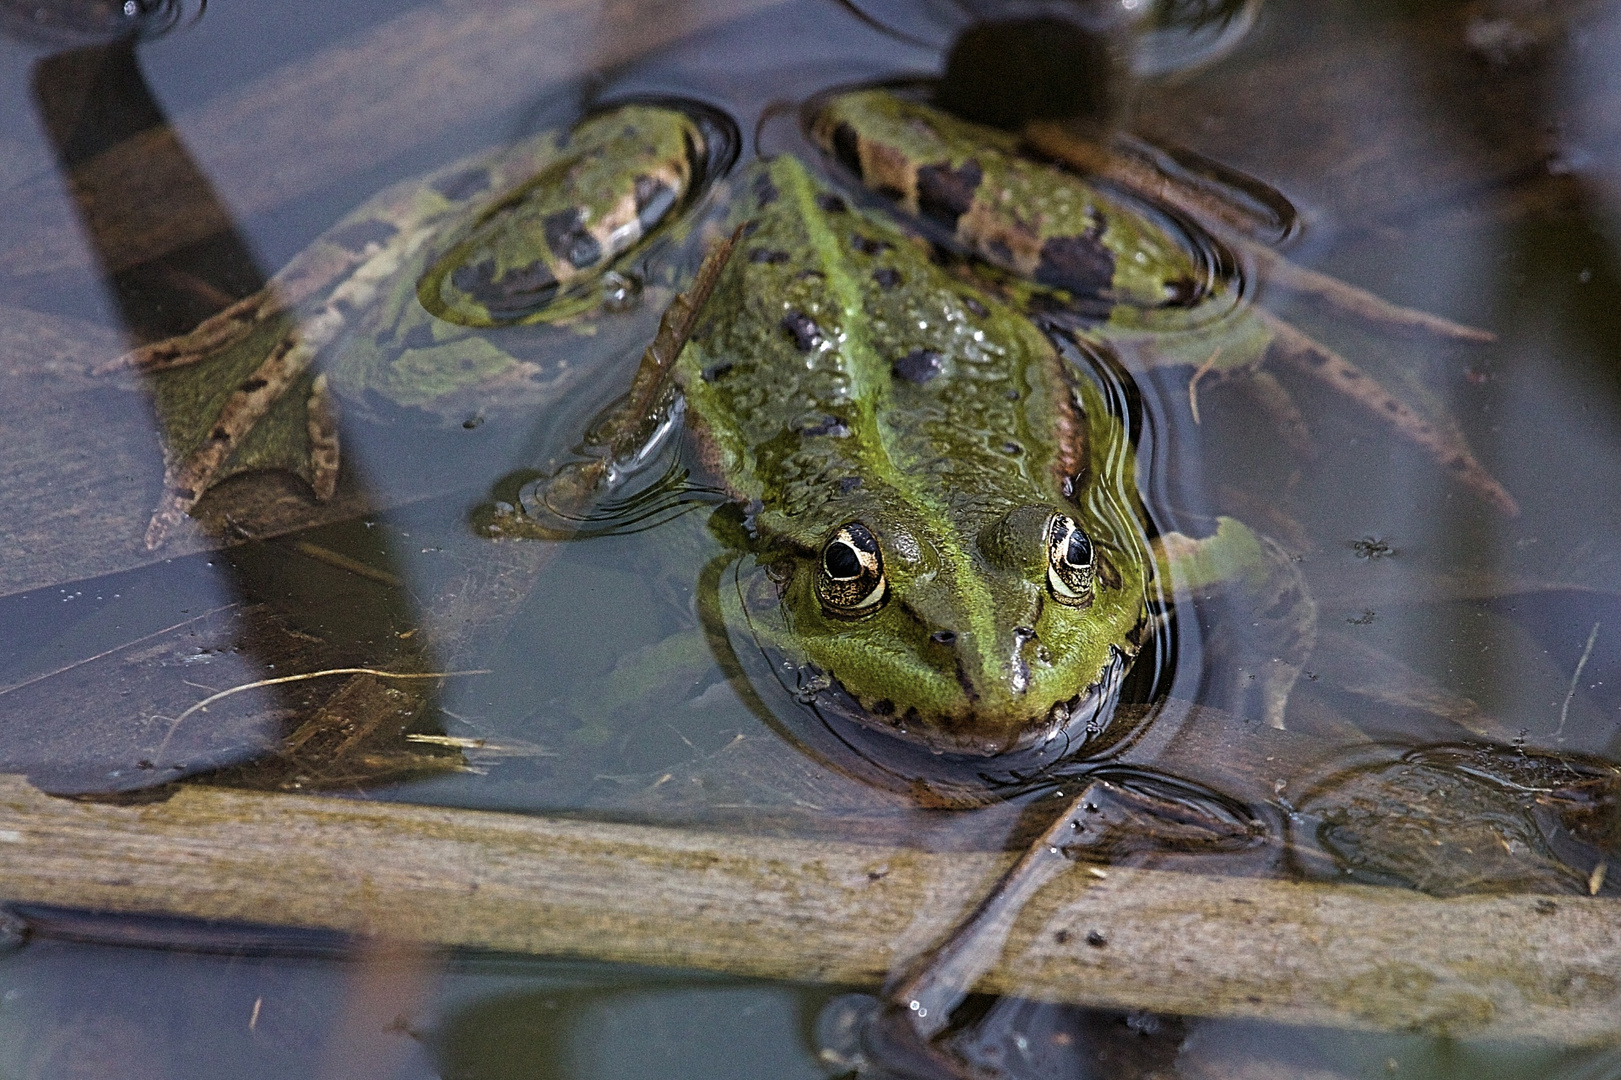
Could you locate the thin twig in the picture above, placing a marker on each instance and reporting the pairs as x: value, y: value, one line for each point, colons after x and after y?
x: 306, y: 676
x: 116, y: 648
x: 1564, y: 710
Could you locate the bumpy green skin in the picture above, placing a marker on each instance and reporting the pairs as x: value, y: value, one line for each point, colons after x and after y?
x: 623, y: 172
x: 1053, y: 230
x: 447, y: 363
x: 1015, y: 207
x: 956, y: 475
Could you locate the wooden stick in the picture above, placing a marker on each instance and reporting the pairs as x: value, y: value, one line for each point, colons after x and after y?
x: 1507, y: 967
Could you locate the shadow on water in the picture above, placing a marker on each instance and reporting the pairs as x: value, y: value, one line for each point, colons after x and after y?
x: 242, y: 621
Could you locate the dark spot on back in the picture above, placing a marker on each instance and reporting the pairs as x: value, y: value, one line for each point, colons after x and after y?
x: 963, y: 681
x: 830, y: 203
x: 765, y: 192
x: 750, y: 227
x: 975, y: 308
x: 867, y: 245
x: 944, y: 194
x: 567, y: 237
x: 803, y: 329
x: 515, y: 293
x: 715, y: 371
x: 251, y: 385
x: 463, y: 185
x: 886, y: 278
x: 769, y: 256
x: 849, y: 484
x: 355, y: 237
x: 654, y: 199
x: 419, y: 336
x: 847, y: 147
x: 918, y: 366
x: 883, y: 707
x: 1079, y: 264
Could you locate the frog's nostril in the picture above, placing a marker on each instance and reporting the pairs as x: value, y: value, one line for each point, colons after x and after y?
x: 943, y: 637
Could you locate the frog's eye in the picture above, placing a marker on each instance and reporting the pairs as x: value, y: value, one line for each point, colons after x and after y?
x: 850, y: 575
x: 1070, y: 569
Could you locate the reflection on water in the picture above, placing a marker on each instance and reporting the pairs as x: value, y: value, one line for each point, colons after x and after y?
x: 1451, y: 730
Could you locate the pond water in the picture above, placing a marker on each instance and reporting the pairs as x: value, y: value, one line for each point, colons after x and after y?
x: 1419, y: 689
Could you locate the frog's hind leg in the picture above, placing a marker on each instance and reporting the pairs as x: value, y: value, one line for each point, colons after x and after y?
x: 187, y: 477
x: 1447, y: 448
x: 1232, y: 222
x: 301, y: 311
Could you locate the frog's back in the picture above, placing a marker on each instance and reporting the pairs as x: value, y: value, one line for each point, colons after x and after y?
x: 873, y: 409
x: 872, y: 371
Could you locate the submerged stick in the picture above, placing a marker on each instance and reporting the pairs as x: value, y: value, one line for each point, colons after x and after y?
x: 1508, y: 967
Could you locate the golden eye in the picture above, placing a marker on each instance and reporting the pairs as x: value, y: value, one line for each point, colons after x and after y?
x: 1070, y: 569
x: 850, y: 575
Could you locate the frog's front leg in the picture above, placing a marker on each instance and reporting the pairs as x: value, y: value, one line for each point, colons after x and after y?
x: 1276, y: 615
x: 628, y: 428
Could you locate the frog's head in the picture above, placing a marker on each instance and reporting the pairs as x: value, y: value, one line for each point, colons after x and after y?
x: 979, y: 633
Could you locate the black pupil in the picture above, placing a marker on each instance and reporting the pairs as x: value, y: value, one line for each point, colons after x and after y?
x: 841, y: 561
x: 1078, y: 552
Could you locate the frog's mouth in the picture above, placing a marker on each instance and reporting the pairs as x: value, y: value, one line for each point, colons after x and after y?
x: 1066, y: 726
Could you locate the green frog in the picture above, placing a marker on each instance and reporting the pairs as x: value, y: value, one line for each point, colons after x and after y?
x: 945, y: 501
x: 948, y: 510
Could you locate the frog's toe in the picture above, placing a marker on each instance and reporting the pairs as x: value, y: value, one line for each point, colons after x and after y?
x: 1139, y: 812
x: 1274, y: 399
x: 322, y: 425
x: 1446, y: 447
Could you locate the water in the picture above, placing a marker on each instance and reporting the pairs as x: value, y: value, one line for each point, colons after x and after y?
x: 1458, y: 159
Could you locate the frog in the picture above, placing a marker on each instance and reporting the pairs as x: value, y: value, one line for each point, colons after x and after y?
x: 944, y: 502
x: 1025, y: 578
x: 1099, y: 263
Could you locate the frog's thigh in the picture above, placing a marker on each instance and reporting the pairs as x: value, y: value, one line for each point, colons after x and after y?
x: 1274, y: 606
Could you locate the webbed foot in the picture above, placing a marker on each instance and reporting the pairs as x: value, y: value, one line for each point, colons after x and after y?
x: 1228, y: 222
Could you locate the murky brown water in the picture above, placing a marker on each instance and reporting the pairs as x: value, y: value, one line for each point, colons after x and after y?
x: 1450, y: 731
